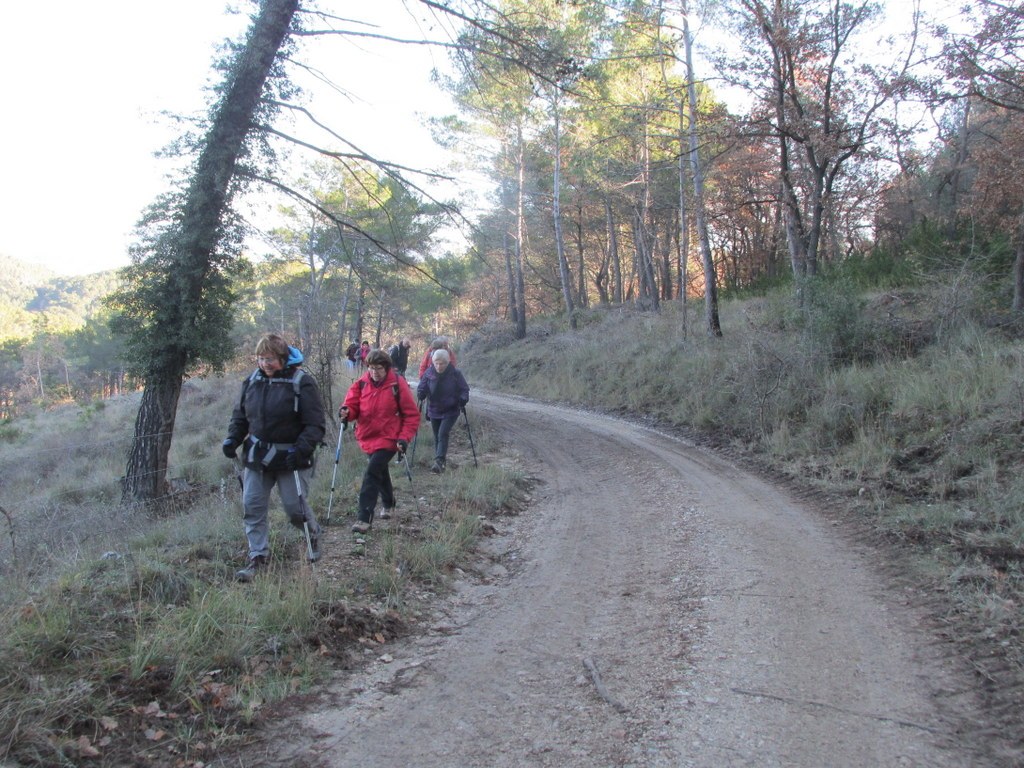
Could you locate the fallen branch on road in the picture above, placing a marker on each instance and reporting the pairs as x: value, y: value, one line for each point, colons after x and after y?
x: 834, y: 708
x: 595, y: 676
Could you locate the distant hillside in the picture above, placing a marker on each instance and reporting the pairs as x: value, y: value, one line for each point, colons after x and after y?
x: 18, y: 280
x: 28, y: 291
x: 79, y: 295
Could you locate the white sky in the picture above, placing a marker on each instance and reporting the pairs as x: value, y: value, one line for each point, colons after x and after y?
x: 85, y: 85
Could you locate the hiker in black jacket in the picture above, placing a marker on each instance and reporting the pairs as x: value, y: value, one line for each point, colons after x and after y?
x: 278, y: 422
x: 399, y: 355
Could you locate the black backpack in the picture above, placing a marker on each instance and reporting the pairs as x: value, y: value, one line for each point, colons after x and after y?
x: 294, y: 381
x: 394, y: 391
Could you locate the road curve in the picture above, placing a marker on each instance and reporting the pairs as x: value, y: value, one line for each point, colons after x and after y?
x: 660, y: 607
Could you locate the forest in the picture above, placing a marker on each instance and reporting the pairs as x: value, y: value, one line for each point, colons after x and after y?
x: 874, y: 143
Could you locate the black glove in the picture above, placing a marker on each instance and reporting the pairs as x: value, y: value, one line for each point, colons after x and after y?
x: 229, y: 447
x: 403, y: 446
x: 294, y: 460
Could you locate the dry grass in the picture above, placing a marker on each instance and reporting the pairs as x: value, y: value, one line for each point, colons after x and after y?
x: 126, y: 638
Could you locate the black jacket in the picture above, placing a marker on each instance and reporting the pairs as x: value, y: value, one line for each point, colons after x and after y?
x: 265, y: 420
x: 399, y: 358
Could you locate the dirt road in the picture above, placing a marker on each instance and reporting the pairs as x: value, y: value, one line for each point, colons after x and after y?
x: 656, y: 606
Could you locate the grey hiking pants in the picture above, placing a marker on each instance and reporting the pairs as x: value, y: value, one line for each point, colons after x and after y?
x: 256, y: 487
x: 442, y: 428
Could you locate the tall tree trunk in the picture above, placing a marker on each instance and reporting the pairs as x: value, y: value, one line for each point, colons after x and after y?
x: 581, y: 275
x: 513, y: 309
x: 711, y: 321
x: 343, y: 332
x: 508, y: 197
x: 639, y: 258
x: 962, y: 146
x: 819, y: 190
x: 613, y: 251
x: 520, y: 234
x: 647, y: 293
x: 205, y: 202
x: 380, y: 319
x: 684, y: 222
x: 556, y: 212
x: 666, y: 262
x: 834, y: 253
x: 1018, y: 267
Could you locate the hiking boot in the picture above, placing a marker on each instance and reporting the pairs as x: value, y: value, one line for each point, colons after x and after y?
x: 254, y: 565
x: 438, y: 466
x: 386, y: 513
x: 314, y: 547
x: 361, y: 526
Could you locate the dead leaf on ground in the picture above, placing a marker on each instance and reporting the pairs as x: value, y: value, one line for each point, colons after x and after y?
x: 85, y: 747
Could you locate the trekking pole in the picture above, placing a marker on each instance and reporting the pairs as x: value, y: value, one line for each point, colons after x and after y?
x: 305, y: 522
x: 412, y: 447
x: 334, y: 476
x: 470, y: 433
x: 405, y: 460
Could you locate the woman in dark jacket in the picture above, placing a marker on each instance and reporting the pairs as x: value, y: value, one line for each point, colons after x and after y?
x: 445, y: 389
x: 278, y: 422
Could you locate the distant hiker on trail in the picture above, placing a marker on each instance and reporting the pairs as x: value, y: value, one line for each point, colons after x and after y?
x: 399, y: 355
x: 278, y: 422
x: 352, y: 355
x: 445, y: 389
x: 387, y: 418
x: 364, y: 350
x: 441, y: 342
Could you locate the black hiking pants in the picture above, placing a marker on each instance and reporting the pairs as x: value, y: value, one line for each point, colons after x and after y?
x: 376, y: 484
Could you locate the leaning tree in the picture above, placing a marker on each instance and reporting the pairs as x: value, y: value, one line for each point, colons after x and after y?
x: 174, y: 311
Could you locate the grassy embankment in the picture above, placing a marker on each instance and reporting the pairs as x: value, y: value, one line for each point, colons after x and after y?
x: 126, y: 640
x: 898, y: 408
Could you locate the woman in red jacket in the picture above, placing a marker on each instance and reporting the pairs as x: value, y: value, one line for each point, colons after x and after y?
x: 441, y: 342
x: 382, y: 404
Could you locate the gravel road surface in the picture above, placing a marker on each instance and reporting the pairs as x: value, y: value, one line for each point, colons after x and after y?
x: 655, y: 606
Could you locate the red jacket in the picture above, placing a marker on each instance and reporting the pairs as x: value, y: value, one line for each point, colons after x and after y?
x: 381, y: 421
x: 426, y: 360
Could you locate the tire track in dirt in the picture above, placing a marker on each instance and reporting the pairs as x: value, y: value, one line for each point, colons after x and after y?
x: 733, y: 627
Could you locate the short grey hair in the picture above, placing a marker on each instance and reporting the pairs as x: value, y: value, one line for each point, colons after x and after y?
x: 441, y: 354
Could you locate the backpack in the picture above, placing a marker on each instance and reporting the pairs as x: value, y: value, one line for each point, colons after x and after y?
x: 394, y: 391
x: 294, y: 381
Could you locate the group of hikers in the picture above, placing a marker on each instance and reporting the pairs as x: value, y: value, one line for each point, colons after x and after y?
x: 279, y: 421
